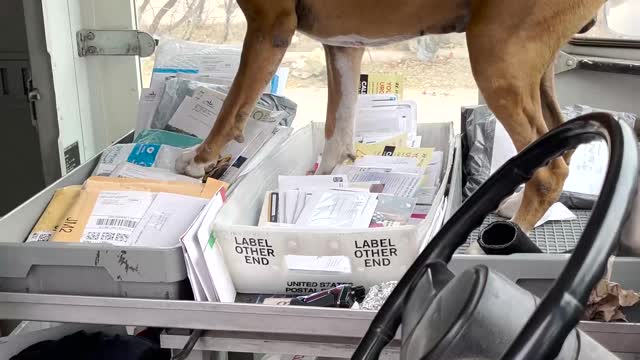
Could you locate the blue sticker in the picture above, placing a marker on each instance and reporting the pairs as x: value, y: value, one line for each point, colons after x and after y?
x: 274, y: 84
x: 174, y: 71
x: 144, y: 154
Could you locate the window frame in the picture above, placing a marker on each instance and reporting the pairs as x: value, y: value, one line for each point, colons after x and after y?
x: 611, y: 39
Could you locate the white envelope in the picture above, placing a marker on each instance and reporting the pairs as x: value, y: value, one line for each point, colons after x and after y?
x: 190, y: 244
x: 212, y: 253
x: 168, y: 217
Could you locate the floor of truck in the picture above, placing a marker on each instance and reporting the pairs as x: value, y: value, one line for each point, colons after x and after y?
x: 552, y: 237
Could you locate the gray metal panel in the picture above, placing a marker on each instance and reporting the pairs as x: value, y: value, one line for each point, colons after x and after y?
x: 260, y: 343
x: 600, y: 90
x: 19, y: 141
x: 536, y: 272
x: 244, y: 327
x: 45, y: 108
x: 245, y: 318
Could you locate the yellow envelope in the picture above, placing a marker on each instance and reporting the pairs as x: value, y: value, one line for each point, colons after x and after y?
x: 423, y: 155
x: 400, y: 141
x: 381, y: 84
x: 54, y: 214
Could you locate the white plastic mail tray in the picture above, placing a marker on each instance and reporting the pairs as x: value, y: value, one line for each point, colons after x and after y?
x: 256, y: 256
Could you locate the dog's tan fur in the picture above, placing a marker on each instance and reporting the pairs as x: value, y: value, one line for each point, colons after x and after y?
x: 511, y: 47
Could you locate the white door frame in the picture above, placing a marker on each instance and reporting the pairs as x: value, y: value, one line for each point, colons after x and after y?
x: 96, y: 96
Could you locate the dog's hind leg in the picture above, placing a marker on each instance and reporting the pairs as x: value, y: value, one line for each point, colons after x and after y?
x: 270, y: 26
x: 343, y: 72
x: 509, y: 59
x: 508, y: 71
x: 550, y: 108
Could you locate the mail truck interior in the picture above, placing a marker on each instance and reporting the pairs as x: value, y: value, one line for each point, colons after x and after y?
x: 410, y: 247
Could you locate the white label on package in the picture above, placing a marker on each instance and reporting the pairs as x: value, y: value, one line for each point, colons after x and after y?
x: 319, y: 263
x: 40, y: 236
x: 398, y: 184
x: 338, y: 209
x: 391, y: 162
x: 308, y: 183
x: 149, y: 100
x: 147, y: 155
x: 168, y: 217
x: 111, y: 157
x: 115, y: 215
x: 197, y: 114
x: 217, y: 64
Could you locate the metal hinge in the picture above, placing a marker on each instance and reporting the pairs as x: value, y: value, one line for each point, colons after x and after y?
x: 565, y: 62
x: 115, y: 42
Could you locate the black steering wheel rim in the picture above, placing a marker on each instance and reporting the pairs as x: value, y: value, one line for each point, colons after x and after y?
x: 562, y: 307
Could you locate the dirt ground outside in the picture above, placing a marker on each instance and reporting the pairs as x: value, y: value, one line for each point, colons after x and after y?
x: 440, y: 84
x: 440, y: 87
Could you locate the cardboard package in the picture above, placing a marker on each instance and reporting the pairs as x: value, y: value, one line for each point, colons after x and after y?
x: 109, y: 209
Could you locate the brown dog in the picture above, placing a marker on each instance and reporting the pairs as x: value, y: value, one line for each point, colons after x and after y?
x: 512, y: 45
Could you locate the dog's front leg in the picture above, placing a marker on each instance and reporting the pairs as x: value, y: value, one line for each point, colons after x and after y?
x: 343, y: 72
x: 270, y: 27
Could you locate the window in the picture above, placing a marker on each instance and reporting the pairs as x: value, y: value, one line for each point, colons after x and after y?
x: 623, y: 17
x: 436, y: 70
x: 617, y: 22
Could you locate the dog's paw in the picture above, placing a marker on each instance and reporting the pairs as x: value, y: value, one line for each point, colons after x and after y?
x: 325, y: 167
x: 509, y: 206
x: 333, y: 156
x: 186, y: 164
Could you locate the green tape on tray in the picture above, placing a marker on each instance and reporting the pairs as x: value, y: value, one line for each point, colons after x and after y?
x: 212, y: 239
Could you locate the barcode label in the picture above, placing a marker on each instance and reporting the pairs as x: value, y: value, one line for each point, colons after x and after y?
x: 115, y: 238
x: 116, y: 215
x: 116, y: 222
x: 40, y: 236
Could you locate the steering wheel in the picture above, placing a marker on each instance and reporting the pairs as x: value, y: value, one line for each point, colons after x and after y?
x: 439, y: 310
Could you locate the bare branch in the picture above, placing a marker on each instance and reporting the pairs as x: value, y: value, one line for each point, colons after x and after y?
x: 161, y: 13
x: 143, y: 7
x: 189, y: 14
x: 230, y: 7
x: 196, y: 20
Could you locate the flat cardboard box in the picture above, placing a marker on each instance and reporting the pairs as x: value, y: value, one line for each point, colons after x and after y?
x: 74, y: 222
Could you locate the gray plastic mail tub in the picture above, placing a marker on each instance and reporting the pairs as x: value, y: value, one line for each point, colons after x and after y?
x: 84, y: 269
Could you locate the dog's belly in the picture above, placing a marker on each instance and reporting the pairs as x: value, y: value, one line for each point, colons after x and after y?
x: 355, y: 40
x: 361, y: 23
